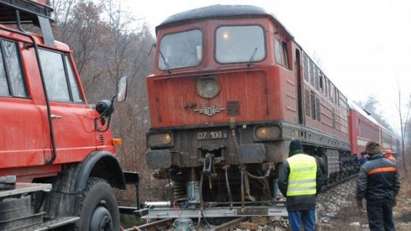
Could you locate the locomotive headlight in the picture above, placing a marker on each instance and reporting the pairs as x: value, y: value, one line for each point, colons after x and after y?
x: 160, y: 140
x: 268, y: 133
x: 208, y: 87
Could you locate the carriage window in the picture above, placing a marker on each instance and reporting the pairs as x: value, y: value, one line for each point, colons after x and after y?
x: 307, y: 103
x: 315, y: 107
x: 281, y: 53
x: 240, y: 44
x: 183, y: 49
x: 337, y: 98
x: 329, y: 89
x: 312, y: 79
x: 11, y: 76
x: 321, y: 82
x: 306, y: 71
x: 313, y: 104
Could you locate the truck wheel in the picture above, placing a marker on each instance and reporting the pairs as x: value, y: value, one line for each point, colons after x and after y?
x: 99, y: 209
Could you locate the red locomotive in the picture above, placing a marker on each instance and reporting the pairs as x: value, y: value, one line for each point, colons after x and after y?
x: 229, y: 90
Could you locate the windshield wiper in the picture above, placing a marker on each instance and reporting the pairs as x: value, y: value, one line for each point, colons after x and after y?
x: 252, y: 57
x: 165, y: 61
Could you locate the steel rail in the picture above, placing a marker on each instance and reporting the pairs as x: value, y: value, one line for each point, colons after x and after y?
x: 152, y: 225
x: 230, y: 225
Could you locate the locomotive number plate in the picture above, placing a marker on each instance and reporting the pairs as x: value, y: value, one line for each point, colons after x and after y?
x: 211, y: 135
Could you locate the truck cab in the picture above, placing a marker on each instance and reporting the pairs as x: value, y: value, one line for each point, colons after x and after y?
x: 52, y: 142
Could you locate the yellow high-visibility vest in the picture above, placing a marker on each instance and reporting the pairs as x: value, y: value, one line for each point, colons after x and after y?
x: 303, y: 175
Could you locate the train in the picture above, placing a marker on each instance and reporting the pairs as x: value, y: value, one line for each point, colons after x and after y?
x: 228, y: 91
x: 364, y: 128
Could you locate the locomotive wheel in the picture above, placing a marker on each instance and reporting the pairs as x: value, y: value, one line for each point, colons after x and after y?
x: 99, y: 209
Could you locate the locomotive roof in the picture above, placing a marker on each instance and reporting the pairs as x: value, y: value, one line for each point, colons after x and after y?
x: 360, y: 110
x: 219, y: 11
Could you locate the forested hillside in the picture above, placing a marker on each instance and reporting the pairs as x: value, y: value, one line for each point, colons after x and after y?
x: 109, y: 44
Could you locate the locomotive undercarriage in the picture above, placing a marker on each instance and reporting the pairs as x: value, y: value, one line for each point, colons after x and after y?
x: 227, y: 167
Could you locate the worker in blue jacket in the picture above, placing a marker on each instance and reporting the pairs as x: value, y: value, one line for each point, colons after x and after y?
x: 378, y: 183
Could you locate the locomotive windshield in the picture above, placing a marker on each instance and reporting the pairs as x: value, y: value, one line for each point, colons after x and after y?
x: 240, y: 44
x: 183, y: 49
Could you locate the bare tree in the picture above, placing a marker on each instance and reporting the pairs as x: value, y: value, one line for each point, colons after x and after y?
x: 63, y: 13
x: 108, y: 44
x: 404, y: 124
x: 408, y: 138
x: 371, y: 107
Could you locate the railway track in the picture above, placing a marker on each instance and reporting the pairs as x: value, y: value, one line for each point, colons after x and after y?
x: 163, y: 224
x: 231, y: 224
x: 342, y: 181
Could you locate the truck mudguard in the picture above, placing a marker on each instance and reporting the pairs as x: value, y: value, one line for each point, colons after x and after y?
x: 100, y: 164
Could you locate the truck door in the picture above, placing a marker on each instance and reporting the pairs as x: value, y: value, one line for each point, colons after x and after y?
x: 22, y: 134
x: 72, y: 118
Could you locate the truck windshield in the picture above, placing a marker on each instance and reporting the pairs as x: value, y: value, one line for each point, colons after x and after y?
x: 236, y: 44
x: 183, y: 49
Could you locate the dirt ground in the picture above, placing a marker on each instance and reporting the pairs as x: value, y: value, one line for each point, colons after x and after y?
x: 349, y: 217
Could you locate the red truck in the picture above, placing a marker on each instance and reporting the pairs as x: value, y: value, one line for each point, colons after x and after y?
x: 57, y: 154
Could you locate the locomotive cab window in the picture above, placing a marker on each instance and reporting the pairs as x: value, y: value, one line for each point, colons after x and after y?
x: 281, y: 53
x: 59, y: 77
x: 11, y: 76
x: 236, y: 44
x: 182, y: 49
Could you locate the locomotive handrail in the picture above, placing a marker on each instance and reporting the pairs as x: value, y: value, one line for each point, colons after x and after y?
x: 232, y: 69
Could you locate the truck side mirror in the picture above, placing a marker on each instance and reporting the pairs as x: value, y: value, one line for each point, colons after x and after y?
x: 122, y: 89
x: 105, y: 108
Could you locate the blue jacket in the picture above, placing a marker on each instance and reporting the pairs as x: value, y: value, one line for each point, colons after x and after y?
x: 378, y: 180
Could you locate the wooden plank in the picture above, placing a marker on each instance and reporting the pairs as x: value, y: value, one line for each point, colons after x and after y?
x: 22, y: 188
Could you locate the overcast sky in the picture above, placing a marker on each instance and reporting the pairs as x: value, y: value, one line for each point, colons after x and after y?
x: 364, y: 46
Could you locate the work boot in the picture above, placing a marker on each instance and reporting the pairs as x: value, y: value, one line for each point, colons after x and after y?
x: 7, y: 182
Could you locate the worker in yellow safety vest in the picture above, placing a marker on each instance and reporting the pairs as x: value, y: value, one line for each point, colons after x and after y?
x: 300, y: 178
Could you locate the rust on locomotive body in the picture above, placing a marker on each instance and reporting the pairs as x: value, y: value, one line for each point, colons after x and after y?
x: 228, y: 91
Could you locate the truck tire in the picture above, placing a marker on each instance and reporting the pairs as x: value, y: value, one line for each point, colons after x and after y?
x: 98, y: 208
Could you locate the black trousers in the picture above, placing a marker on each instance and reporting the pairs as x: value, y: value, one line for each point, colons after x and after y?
x: 380, y: 216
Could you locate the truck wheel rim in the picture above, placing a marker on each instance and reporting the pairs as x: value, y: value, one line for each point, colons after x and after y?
x: 101, y: 220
